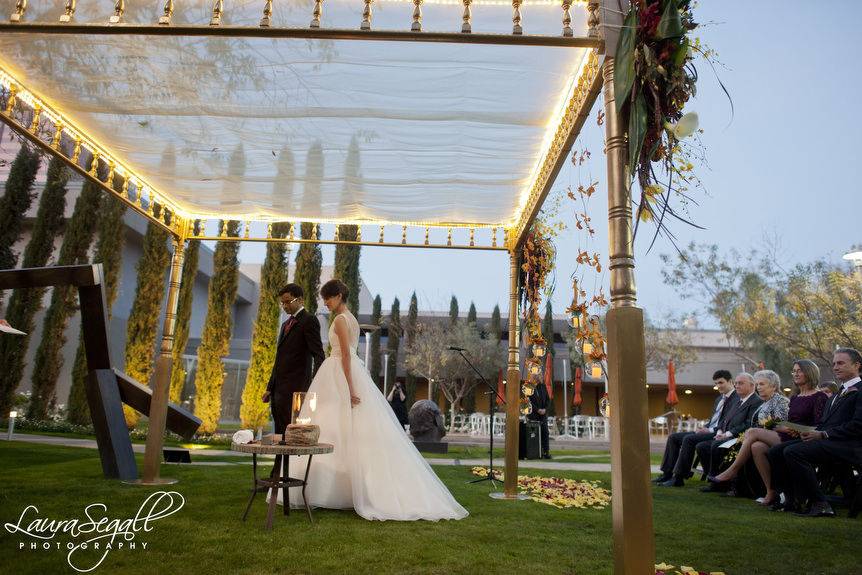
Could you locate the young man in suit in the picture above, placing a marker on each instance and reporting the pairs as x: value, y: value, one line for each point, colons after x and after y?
x: 298, y: 356
x: 838, y: 438
x: 680, y: 447
x: 540, y: 401
x: 737, y: 421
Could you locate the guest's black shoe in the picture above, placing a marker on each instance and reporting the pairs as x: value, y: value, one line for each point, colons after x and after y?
x: 662, y: 479
x: 547, y: 456
x: 776, y: 506
x: 673, y: 482
x: 818, y: 509
x: 713, y: 479
x: 712, y: 488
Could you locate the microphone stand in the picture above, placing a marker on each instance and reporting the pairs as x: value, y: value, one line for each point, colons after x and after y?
x: 492, y: 409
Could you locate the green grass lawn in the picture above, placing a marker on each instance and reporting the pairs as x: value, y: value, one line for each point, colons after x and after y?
x: 207, y: 535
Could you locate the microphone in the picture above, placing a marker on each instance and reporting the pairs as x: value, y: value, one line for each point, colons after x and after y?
x: 455, y: 348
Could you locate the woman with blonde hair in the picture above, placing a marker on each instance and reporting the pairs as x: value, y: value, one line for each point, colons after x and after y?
x: 805, y: 408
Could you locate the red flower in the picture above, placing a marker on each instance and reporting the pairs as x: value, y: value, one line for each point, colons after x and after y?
x: 648, y: 19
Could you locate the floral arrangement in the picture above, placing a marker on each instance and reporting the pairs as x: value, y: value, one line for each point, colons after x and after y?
x: 665, y: 569
x: 54, y: 426
x: 558, y: 492
x: 654, y: 79
x: 537, y: 263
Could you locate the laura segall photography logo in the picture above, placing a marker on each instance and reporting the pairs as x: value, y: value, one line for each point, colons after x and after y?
x: 87, y: 541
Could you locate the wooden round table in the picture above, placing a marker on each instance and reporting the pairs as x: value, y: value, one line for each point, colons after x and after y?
x: 275, y: 480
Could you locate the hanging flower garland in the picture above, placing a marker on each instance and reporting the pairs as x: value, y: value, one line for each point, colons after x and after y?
x: 537, y: 264
x: 654, y: 79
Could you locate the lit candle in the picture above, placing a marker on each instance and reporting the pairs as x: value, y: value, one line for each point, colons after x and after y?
x: 303, y: 420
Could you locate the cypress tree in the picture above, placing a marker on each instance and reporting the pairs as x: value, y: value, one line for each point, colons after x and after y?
x: 24, y: 303
x: 410, y: 334
x: 309, y: 259
x: 548, y: 333
x: 76, y: 244
x: 453, y: 311
x: 393, y: 341
x: 142, y: 326
x: 109, y: 253
x: 471, y: 314
x: 347, y: 256
x: 374, y: 348
x: 496, y: 327
x: 15, y: 202
x: 215, y: 340
x: 184, y: 316
x: 254, y: 413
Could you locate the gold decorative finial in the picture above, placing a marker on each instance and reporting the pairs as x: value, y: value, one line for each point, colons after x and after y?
x: 10, y: 102
x: 110, y: 179
x: 224, y: 225
x: 69, y: 13
x: 269, y: 231
x: 466, y: 26
x: 472, y: 236
x: 18, y: 14
x: 266, y: 21
x: 76, y: 151
x: 494, y: 238
x: 247, y: 229
x: 94, y: 165
x: 449, y: 238
x: 165, y: 20
x: 358, y: 233
x: 58, y: 134
x: 37, y: 113
x: 337, y: 232
x: 366, y: 16
x: 593, y: 19
x: 290, y: 228
x: 119, y: 9
x: 567, y: 19
x: 124, y: 193
x: 315, y: 15
x: 218, y: 10
x: 403, y: 234
x: 516, y: 17
x: 381, y: 234
x: 417, y: 16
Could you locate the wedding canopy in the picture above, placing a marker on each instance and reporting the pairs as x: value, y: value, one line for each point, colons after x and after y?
x: 243, y: 121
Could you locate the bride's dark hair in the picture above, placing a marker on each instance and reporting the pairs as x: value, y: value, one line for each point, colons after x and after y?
x: 333, y: 288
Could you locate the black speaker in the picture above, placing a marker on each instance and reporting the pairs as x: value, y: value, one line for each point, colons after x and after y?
x: 529, y: 440
x: 173, y: 455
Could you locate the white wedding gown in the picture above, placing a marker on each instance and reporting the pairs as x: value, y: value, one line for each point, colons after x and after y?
x: 375, y: 469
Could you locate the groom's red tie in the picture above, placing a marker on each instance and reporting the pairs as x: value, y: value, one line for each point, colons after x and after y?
x: 288, y: 325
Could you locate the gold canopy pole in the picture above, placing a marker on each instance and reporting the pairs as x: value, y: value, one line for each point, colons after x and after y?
x: 634, y: 545
x: 513, y: 385
x: 162, y: 377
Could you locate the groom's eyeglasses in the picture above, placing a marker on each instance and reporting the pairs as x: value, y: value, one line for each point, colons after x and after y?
x: 287, y: 303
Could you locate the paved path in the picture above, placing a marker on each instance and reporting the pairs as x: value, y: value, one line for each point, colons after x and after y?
x: 215, y: 453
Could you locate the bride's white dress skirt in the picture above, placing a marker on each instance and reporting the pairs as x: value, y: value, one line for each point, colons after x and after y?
x: 375, y: 469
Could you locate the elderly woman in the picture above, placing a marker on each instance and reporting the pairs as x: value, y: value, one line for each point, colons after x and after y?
x: 805, y: 408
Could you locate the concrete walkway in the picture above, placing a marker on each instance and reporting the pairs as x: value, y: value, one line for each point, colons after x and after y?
x: 199, y: 454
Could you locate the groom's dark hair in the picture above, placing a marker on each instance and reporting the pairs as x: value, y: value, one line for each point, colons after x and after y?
x: 293, y: 289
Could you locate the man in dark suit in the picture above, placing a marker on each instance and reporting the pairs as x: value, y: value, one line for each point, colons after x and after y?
x: 680, y: 447
x: 539, y: 401
x: 298, y: 356
x: 737, y: 421
x: 838, y: 438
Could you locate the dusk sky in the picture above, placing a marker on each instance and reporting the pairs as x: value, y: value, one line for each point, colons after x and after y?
x: 785, y: 166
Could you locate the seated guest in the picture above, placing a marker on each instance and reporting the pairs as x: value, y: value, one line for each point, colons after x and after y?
x: 805, y: 408
x: 737, y: 421
x: 679, y: 450
x: 837, y: 439
x: 830, y: 388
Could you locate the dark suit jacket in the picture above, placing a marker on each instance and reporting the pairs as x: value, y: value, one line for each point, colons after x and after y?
x: 539, y: 400
x: 297, y: 357
x: 842, y: 419
x: 739, y: 418
x: 727, y: 410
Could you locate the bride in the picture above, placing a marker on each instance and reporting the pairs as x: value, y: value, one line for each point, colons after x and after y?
x: 375, y: 469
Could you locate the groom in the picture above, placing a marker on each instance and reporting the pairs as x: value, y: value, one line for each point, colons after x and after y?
x: 298, y: 356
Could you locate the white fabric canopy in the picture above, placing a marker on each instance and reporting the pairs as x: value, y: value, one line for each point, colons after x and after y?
x: 313, y: 130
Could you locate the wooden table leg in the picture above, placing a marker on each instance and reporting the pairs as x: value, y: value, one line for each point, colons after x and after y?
x: 253, y: 485
x: 273, y: 492
x: 304, y: 485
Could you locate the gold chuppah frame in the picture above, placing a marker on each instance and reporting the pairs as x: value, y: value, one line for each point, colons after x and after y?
x: 56, y: 134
